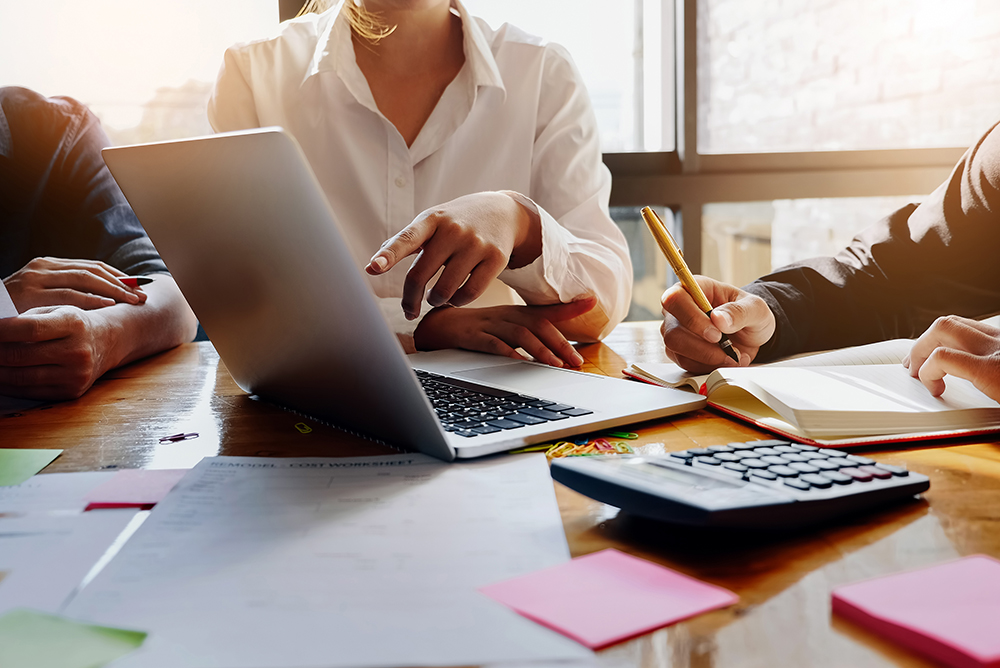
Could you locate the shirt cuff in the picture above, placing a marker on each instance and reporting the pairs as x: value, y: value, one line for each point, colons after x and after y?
x: 539, y: 282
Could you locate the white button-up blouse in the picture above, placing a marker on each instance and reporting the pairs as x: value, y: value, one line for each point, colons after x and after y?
x: 516, y: 117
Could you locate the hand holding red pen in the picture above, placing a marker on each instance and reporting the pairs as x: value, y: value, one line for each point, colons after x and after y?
x: 86, y: 284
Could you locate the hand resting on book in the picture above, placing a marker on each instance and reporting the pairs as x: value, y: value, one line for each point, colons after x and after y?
x: 959, y: 347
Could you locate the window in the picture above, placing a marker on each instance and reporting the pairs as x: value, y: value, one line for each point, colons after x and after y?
x: 853, y: 74
x: 620, y: 50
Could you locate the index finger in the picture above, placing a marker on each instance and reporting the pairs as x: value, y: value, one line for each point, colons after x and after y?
x: 951, y: 332
x: 408, y: 241
x: 678, y: 302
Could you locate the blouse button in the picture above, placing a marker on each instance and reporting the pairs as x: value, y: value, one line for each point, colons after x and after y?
x: 400, y: 181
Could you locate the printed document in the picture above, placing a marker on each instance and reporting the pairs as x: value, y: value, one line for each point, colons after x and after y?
x: 373, y: 561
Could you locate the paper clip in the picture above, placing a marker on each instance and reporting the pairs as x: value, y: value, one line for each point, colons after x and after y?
x: 531, y: 448
x: 178, y: 437
x: 623, y: 448
x: 303, y: 427
x: 627, y: 435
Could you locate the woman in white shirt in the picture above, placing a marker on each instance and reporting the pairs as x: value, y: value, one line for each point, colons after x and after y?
x: 474, y: 150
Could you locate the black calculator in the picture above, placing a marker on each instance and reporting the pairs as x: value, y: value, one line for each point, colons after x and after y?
x: 756, y: 484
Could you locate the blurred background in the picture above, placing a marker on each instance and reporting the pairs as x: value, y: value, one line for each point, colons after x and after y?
x: 765, y: 131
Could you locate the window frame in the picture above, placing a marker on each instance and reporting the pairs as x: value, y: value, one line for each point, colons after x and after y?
x: 684, y: 180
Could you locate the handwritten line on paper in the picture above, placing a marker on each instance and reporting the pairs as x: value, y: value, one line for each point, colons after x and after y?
x: 606, y: 597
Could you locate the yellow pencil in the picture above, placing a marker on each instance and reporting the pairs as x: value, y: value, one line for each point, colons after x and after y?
x: 677, y: 263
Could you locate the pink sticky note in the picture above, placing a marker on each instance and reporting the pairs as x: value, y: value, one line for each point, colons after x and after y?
x: 134, y: 488
x: 608, y: 596
x: 950, y: 611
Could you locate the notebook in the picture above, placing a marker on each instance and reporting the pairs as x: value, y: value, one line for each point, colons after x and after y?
x: 254, y: 245
x: 950, y: 611
x: 855, y: 396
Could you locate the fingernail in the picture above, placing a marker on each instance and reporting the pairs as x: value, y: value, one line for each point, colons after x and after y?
x: 134, y: 298
x: 379, y: 263
x: 410, y: 315
x: 435, y: 300
x: 712, y: 334
x: 108, y: 301
x: 906, y: 362
x: 578, y: 359
x: 556, y: 362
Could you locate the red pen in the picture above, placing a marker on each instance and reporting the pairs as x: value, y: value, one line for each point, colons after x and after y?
x: 136, y: 281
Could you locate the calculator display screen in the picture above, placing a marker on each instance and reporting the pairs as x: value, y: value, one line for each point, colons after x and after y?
x: 688, y: 479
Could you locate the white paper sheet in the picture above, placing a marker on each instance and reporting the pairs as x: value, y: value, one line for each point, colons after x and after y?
x: 45, y: 558
x: 7, y: 308
x: 51, y: 492
x: 261, y: 562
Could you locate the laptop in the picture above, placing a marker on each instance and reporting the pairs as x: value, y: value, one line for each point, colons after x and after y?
x: 248, y: 234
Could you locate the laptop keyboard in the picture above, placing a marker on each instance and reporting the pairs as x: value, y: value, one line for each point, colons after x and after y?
x: 469, y: 410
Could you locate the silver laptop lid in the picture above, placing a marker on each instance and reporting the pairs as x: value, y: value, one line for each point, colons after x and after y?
x: 249, y: 236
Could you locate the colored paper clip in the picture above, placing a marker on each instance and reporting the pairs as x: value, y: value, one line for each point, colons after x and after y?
x: 178, y: 437
x: 303, y: 428
x: 623, y: 448
x: 532, y: 448
x: 627, y: 435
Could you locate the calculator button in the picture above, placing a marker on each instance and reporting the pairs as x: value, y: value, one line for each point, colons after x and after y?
x: 765, y: 451
x: 700, y: 452
x: 881, y: 474
x: 719, y: 448
x: 824, y: 464
x: 816, y: 480
x: 803, y: 468
x: 733, y: 466
x: 774, y: 459
x: 862, y: 461
x: 832, y: 453
x: 797, y: 484
x: 841, y: 462
x: 838, y: 477
x: 857, y: 474
x: 807, y: 448
x: 726, y: 457
x: 744, y: 454
x: 683, y: 454
x: 711, y: 461
x: 817, y: 455
x: 770, y: 442
x: 895, y: 470
x: 783, y: 449
x: 741, y: 446
x: 754, y: 463
x: 783, y: 471
x: 766, y: 475
x: 796, y: 457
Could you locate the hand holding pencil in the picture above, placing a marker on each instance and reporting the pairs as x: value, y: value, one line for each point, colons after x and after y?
x: 702, y: 315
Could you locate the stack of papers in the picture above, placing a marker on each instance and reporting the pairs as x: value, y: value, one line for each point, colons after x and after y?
x: 336, y: 562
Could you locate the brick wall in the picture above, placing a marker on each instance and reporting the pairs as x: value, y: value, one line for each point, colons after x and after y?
x: 846, y: 74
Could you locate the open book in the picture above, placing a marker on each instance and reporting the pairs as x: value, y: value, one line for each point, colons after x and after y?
x: 854, y: 396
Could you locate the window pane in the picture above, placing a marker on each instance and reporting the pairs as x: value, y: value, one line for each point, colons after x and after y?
x: 649, y: 267
x: 801, y: 75
x: 619, y: 50
x: 146, y: 69
x: 742, y: 241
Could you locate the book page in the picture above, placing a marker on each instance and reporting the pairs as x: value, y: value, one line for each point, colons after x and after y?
x: 892, y: 351
x: 864, y: 399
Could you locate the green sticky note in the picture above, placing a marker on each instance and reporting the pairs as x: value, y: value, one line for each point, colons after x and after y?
x: 17, y: 465
x: 35, y: 640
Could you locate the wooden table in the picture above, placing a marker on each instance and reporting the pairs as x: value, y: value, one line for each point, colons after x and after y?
x: 784, y: 581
